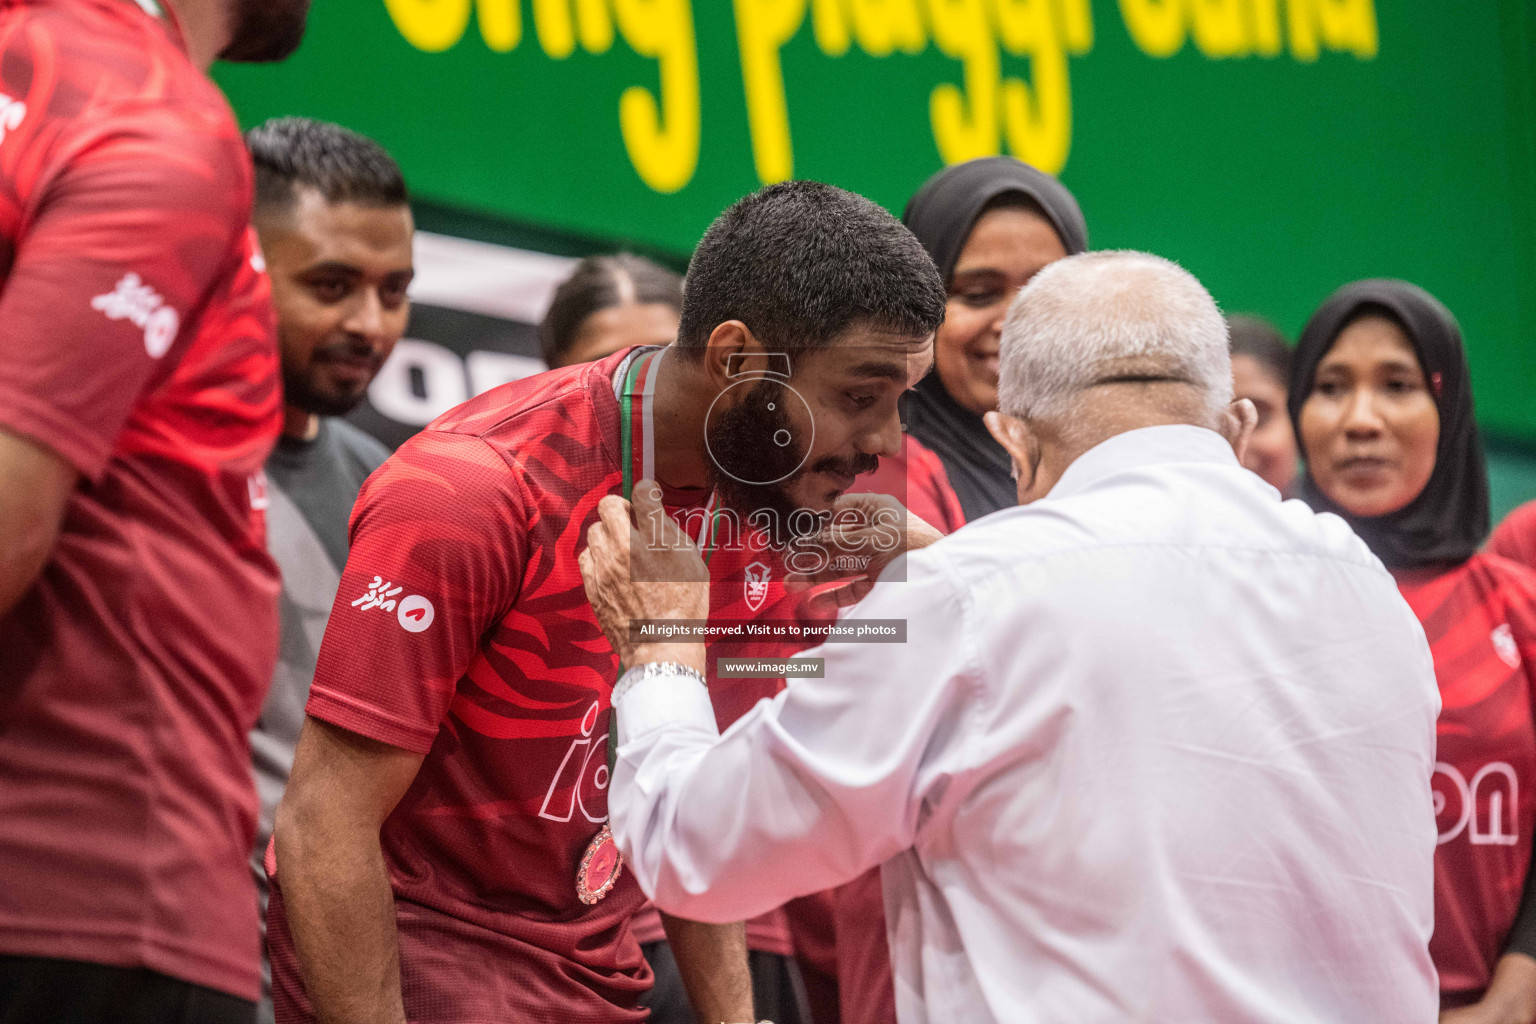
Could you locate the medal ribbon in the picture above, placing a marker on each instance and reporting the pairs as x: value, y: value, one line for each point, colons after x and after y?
x: 638, y: 434
x: 637, y: 442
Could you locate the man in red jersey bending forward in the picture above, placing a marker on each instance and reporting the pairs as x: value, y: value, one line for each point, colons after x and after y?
x: 442, y: 852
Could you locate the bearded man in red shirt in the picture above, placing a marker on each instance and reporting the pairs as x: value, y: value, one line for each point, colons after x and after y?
x: 442, y: 852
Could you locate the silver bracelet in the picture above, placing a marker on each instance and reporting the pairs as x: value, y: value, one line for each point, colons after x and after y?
x: 630, y: 679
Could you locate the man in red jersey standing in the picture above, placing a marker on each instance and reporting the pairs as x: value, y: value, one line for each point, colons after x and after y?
x: 442, y: 852
x: 139, y: 396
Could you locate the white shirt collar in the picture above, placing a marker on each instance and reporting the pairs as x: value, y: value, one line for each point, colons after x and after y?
x: 1146, y: 446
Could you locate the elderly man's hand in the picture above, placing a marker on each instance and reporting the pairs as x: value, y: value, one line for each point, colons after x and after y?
x: 868, y: 531
x: 654, y: 572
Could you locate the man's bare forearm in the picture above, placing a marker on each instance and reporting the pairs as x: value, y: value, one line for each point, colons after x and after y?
x: 35, y: 485
x: 1509, y: 999
x: 712, y: 959
x: 341, y: 912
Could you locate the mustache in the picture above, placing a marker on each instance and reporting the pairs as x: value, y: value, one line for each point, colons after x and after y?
x: 350, y: 349
x: 849, y: 465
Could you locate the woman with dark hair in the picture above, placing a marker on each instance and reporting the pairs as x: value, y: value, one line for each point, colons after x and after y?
x: 990, y: 225
x: 1382, y: 403
x: 607, y: 304
x: 1261, y: 371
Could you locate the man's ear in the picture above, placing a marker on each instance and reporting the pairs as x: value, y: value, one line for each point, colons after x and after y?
x: 1238, y: 423
x: 731, y: 350
x: 1020, y: 443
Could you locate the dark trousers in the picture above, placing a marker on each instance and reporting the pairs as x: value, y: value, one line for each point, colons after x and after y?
x: 777, y: 994
x: 36, y: 989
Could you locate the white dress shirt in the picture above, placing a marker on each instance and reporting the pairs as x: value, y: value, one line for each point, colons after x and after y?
x: 1158, y: 748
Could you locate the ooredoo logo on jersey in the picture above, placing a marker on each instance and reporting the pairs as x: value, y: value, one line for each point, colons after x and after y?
x: 414, y: 612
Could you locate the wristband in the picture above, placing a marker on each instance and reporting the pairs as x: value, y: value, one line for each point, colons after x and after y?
x: 629, y: 680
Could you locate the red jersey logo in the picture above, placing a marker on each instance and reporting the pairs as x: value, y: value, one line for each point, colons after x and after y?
x: 755, y: 589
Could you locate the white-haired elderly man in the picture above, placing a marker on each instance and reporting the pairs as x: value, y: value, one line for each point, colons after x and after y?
x: 1158, y: 745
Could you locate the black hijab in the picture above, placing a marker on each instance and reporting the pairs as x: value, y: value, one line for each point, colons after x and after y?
x: 941, y: 215
x: 1447, y: 522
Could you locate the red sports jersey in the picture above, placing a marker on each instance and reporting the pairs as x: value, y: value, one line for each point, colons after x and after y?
x: 1515, y: 538
x: 1480, y: 619
x: 138, y: 346
x: 866, y: 984
x: 462, y: 631
x: 813, y: 925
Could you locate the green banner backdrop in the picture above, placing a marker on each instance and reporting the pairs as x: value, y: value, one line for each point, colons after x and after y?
x: 1276, y: 148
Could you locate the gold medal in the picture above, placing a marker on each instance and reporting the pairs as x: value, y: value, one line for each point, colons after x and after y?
x: 600, y: 867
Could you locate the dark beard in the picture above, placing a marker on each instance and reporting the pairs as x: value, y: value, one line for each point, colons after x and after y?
x: 741, y: 451
x: 265, y: 30
x: 298, y: 393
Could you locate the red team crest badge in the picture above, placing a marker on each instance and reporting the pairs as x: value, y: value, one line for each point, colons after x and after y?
x: 756, y: 587
x: 600, y: 868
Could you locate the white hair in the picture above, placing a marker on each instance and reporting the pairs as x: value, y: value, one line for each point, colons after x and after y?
x: 1105, y: 314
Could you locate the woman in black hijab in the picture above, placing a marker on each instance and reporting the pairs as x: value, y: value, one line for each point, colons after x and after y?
x: 1382, y: 404
x: 990, y: 225
x: 1447, y: 516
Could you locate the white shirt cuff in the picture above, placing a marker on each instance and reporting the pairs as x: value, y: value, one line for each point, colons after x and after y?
x: 666, y: 698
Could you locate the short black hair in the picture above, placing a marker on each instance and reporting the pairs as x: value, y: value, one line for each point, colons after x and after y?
x: 800, y: 262
x: 598, y: 283
x: 340, y: 164
x: 1259, y: 339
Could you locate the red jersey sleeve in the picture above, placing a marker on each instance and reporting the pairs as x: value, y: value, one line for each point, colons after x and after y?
x: 1517, y: 586
x: 916, y: 478
x: 117, y: 241
x: 1515, y: 538
x: 438, y: 549
x: 933, y: 499
x: 1516, y: 589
